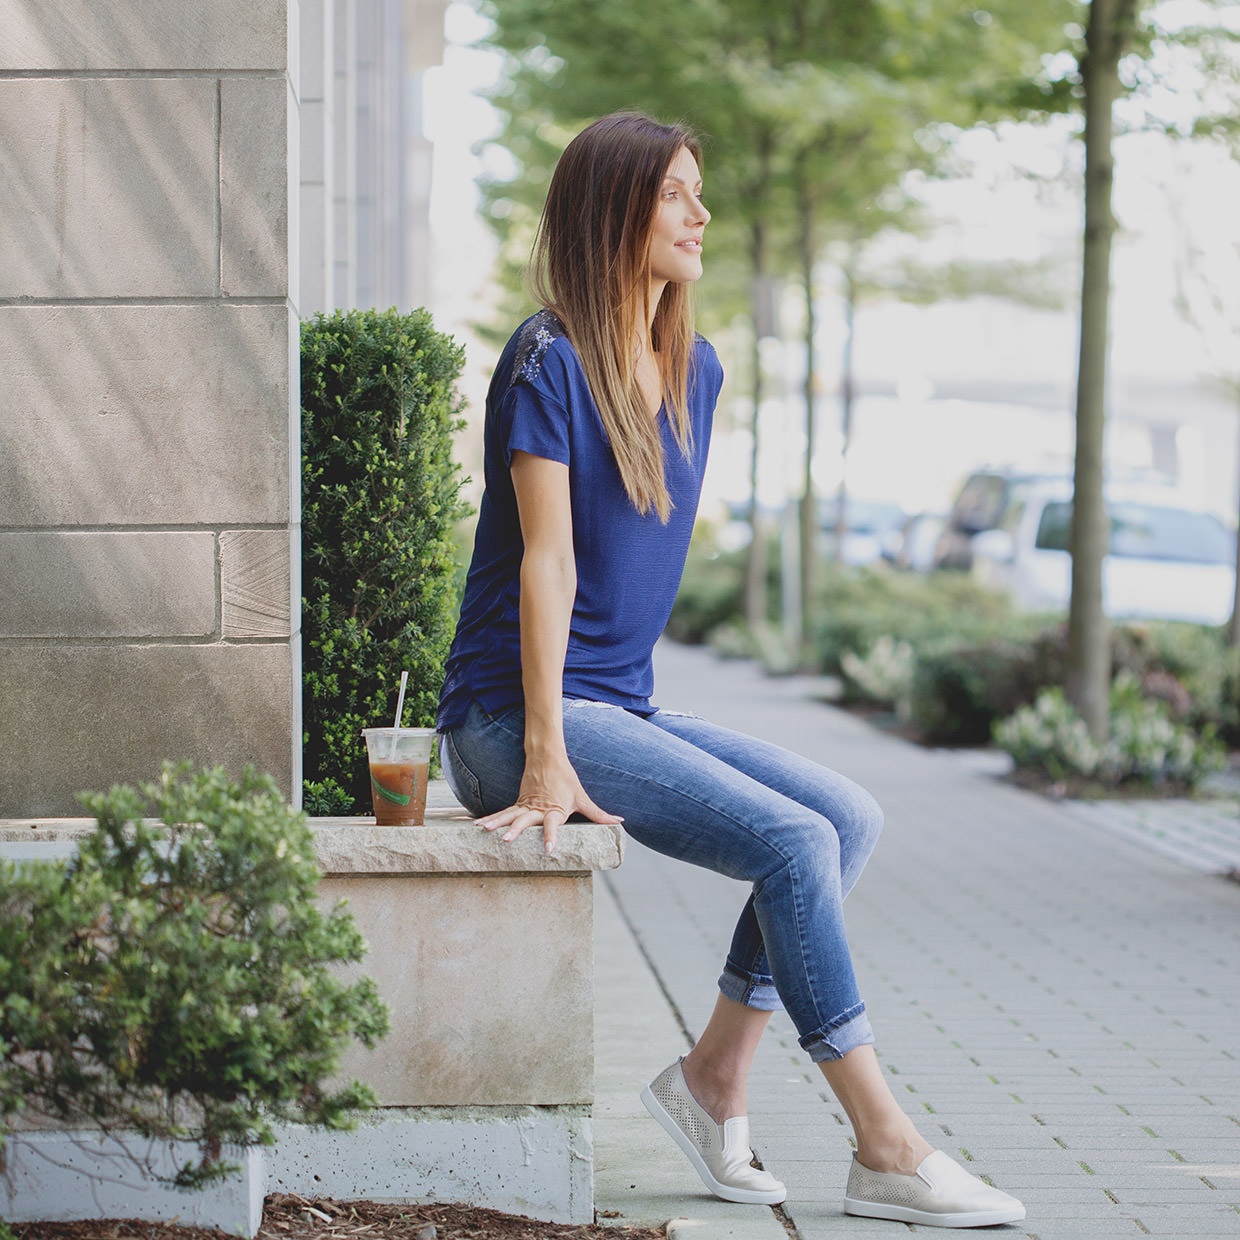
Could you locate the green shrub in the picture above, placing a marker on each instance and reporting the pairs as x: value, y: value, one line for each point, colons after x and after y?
x: 1146, y: 746
x: 858, y: 606
x: 1048, y: 737
x: 710, y: 592
x: 961, y: 688
x: 175, y: 980
x: 766, y: 642
x: 380, y: 497
x: 734, y: 639
x: 884, y: 676
x: 1192, y: 668
x: 325, y: 798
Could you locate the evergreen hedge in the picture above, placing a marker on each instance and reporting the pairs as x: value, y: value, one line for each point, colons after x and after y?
x: 177, y: 977
x: 380, y: 498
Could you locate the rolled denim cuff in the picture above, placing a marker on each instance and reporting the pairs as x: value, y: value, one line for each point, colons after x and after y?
x: 835, y: 1039
x: 750, y: 990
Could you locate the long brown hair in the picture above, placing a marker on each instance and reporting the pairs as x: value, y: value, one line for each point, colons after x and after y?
x: 591, y: 265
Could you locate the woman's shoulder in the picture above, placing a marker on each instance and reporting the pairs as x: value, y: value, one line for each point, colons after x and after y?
x: 706, y: 361
x: 541, y: 338
x: 702, y: 347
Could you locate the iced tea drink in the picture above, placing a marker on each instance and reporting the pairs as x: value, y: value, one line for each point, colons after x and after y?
x: 398, y: 760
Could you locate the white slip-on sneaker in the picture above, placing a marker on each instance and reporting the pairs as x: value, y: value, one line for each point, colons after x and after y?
x: 941, y: 1193
x: 719, y: 1154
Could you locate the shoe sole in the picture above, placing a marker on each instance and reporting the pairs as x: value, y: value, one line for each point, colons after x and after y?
x: 744, y: 1196
x: 928, y: 1218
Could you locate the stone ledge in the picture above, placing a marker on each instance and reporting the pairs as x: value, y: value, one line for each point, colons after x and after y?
x: 448, y: 843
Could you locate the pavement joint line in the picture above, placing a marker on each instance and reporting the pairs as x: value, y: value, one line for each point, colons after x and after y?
x: 654, y: 969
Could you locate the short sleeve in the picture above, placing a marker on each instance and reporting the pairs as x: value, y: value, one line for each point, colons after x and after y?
x: 535, y: 412
x: 531, y: 421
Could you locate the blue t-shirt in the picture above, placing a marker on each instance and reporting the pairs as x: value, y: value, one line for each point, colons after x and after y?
x: 628, y: 565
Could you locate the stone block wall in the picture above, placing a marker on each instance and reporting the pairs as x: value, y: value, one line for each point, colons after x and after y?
x: 149, y: 445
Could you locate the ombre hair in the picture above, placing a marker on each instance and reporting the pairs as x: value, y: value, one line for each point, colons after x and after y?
x: 591, y: 265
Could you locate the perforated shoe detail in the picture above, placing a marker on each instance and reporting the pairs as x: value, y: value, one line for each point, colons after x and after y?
x: 693, y: 1121
x: 721, y: 1156
x: 940, y: 1194
x: 873, y: 1186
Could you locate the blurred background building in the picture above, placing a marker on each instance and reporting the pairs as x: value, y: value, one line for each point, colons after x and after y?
x: 365, y: 159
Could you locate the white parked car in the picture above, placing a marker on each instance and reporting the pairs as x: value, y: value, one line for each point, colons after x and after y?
x: 1167, y: 559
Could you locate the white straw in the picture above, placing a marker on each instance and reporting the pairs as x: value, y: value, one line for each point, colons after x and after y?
x: 400, y: 706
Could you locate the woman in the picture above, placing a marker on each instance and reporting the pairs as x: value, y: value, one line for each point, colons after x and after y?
x: 597, y: 425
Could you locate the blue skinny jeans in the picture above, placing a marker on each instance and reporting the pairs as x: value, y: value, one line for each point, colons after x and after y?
x: 797, y: 832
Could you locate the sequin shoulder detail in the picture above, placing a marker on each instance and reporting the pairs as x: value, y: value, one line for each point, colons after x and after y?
x: 536, y: 336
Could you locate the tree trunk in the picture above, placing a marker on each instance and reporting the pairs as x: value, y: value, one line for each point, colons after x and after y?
x: 846, y: 402
x: 1089, y: 661
x: 755, y: 556
x: 809, y: 499
x: 1233, y: 628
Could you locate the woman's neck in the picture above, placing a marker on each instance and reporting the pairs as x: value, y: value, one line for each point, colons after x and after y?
x: 653, y: 298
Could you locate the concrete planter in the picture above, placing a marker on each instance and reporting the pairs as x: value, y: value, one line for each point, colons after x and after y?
x: 483, y: 952
x: 536, y: 1161
x: 59, y: 1176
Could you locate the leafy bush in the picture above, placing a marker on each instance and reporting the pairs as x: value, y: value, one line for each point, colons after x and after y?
x: 766, y: 642
x: 1146, y: 746
x: 380, y: 496
x: 734, y: 639
x: 959, y: 691
x: 175, y: 980
x: 710, y: 592
x: 1049, y: 738
x: 885, y: 675
x: 325, y: 798
x: 961, y: 688
x: 857, y: 606
x: 1192, y: 668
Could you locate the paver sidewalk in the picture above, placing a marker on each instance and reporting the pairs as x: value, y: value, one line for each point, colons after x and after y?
x: 1057, y: 1005
x: 639, y: 1175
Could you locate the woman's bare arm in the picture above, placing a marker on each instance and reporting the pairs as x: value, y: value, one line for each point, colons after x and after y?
x: 550, y: 790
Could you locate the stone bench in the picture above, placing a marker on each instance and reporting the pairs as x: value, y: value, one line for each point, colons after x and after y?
x: 483, y: 952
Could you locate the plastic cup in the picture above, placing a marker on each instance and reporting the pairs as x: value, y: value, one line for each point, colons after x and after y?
x: 398, y: 761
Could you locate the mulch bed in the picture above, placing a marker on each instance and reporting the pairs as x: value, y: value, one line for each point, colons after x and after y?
x: 287, y: 1216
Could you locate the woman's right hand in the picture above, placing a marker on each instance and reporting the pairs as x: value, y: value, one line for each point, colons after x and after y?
x: 550, y: 791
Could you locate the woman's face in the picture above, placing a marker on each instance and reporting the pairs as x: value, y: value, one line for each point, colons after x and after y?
x: 679, y: 219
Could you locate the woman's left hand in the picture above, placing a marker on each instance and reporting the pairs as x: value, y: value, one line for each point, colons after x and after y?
x: 550, y: 792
